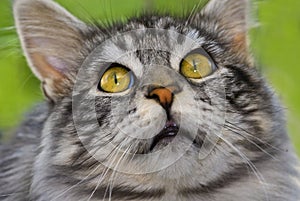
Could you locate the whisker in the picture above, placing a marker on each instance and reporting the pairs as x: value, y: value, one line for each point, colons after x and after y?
x: 254, y: 169
x: 191, y: 14
x: 9, y: 28
x: 113, y: 175
x: 72, y: 187
x: 252, y: 142
x: 93, y: 21
x: 253, y: 136
x: 194, y: 11
x: 101, y: 177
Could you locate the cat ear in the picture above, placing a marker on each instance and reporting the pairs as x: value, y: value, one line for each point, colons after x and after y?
x: 51, y: 39
x: 231, y: 18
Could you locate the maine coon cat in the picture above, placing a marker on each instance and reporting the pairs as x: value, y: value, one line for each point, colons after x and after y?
x: 157, y: 108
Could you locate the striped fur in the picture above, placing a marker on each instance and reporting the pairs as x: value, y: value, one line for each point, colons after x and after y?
x: 84, y: 144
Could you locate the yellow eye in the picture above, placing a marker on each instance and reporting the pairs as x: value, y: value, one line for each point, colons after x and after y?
x: 116, y: 79
x: 196, y: 66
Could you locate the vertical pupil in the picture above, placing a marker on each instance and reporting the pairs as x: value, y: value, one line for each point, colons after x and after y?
x: 115, y: 78
x: 195, y: 65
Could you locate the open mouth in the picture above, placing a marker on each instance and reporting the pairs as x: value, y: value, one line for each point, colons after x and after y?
x: 166, y: 135
x: 169, y: 132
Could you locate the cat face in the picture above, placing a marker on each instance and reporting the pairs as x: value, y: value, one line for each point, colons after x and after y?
x: 157, y: 95
x: 159, y: 113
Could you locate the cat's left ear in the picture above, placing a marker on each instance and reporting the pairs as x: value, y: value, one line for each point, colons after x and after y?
x: 52, y: 40
x: 232, y: 18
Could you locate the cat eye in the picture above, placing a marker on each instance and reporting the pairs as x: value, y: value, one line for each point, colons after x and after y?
x: 116, y: 79
x: 196, y: 66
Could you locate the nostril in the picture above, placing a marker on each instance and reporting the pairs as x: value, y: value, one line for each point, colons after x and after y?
x: 153, y: 96
x: 152, y: 87
x: 156, y: 98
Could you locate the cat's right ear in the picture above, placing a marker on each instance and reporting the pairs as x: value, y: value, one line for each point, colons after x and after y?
x: 232, y: 20
x: 51, y: 39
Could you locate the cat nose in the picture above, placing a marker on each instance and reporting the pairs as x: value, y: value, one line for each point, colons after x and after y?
x: 164, y: 95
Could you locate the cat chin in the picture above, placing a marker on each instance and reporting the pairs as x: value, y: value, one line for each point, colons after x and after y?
x: 179, y: 144
x: 163, y: 143
x: 168, y: 152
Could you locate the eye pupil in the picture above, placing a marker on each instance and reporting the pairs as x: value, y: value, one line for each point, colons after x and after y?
x: 196, y: 66
x: 116, y: 79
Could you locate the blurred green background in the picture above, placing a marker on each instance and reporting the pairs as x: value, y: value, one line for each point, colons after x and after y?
x: 275, y: 43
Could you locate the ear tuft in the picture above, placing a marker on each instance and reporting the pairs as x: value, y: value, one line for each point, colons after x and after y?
x: 231, y: 17
x: 51, y: 39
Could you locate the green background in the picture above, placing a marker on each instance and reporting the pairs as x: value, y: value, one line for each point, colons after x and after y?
x: 275, y: 43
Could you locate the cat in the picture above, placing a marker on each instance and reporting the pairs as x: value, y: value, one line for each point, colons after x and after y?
x: 157, y: 108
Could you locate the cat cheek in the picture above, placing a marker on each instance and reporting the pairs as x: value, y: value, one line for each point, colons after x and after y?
x: 152, y: 118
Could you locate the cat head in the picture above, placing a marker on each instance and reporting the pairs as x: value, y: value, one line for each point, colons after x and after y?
x: 158, y: 94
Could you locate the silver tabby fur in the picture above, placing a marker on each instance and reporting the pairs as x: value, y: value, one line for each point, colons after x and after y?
x: 253, y: 159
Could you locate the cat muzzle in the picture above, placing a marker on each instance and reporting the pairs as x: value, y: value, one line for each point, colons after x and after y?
x: 167, y: 134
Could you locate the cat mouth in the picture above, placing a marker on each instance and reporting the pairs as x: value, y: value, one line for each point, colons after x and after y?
x: 166, y: 135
